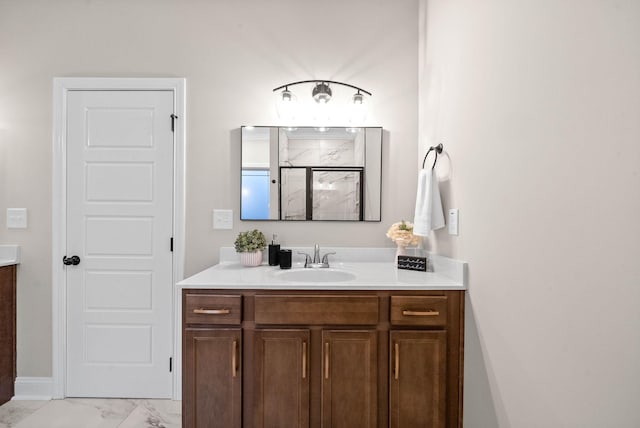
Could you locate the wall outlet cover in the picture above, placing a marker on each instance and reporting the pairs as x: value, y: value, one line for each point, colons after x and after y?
x: 223, y: 219
x: 453, y: 221
x: 16, y: 218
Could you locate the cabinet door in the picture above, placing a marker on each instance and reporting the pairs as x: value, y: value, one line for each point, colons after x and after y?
x: 417, y: 385
x: 349, y: 379
x: 281, y: 364
x: 212, y: 378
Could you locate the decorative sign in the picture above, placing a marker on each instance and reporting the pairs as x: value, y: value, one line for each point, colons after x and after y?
x: 412, y: 263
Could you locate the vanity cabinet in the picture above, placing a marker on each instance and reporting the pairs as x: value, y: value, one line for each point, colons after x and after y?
x: 212, y: 377
x: 7, y: 332
x: 311, y: 359
x: 343, y: 362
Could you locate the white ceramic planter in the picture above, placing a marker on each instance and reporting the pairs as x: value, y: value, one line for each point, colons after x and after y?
x: 253, y: 258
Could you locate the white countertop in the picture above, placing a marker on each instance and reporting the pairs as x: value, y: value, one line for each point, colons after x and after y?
x: 380, y: 274
x: 9, y: 255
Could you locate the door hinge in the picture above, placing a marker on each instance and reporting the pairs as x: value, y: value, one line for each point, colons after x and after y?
x: 170, y: 364
x: 171, y: 244
x: 173, y: 122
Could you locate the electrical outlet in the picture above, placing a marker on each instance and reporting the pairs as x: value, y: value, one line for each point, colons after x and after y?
x: 223, y: 219
x: 16, y: 218
x: 453, y: 221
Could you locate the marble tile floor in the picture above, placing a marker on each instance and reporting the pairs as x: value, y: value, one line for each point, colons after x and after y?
x: 91, y: 413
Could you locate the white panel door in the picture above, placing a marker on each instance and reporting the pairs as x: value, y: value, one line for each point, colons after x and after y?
x: 119, y: 222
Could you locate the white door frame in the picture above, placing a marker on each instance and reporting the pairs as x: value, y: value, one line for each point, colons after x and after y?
x: 61, y: 88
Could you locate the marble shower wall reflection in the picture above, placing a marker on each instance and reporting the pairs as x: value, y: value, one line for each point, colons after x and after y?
x: 336, y: 195
x: 293, y: 186
x: 311, y: 173
x: 322, y: 152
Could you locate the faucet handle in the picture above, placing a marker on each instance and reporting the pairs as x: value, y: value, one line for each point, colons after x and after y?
x: 307, y: 258
x: 325, y: 258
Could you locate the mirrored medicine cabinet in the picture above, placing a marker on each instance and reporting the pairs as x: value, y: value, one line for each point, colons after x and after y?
x: 311, y: 173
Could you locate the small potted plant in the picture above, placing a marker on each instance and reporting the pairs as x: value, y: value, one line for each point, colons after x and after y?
x: 250, y: 245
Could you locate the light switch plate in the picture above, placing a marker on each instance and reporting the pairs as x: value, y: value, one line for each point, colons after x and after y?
x: 223, y: 219
x: 453, y: 221
x: 16, y: 218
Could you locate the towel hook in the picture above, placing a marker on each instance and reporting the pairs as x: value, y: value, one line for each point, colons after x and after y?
x: 437, y: 149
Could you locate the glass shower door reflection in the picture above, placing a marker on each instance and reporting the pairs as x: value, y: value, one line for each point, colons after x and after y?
x: 293, y: 191
x: 337, y: 194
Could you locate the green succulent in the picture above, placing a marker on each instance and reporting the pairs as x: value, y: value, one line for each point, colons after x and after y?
x: 405, y: 226
x: 252, y: 240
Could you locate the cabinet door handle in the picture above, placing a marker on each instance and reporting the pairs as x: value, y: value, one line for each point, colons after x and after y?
x: 397, y: 360
x: 304, y: 360
x: 211, y: 311
x: 326, y: 360
x: 427, y: 313
x: 234, y: 366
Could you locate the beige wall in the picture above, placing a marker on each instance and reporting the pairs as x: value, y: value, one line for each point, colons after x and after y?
x: 538, y: 105
x: 233, y: 53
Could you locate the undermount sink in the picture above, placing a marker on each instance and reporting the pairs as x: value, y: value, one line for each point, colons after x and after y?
x: 316, y: 275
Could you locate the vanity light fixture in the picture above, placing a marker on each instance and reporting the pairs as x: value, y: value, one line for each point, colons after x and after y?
x: 326, y: 102
x: 321, y: 93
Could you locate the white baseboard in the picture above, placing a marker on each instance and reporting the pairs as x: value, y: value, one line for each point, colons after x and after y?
x: 33, y: 388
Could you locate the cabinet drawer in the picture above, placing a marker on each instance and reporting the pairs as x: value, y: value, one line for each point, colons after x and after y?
x: 316, y: 310
x: 212, y: 309
x: 419, y: 310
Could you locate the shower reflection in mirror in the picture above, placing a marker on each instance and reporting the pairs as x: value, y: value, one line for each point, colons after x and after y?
x: 308, y: 173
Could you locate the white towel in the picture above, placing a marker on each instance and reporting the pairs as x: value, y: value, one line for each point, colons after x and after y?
x: 428, y: 215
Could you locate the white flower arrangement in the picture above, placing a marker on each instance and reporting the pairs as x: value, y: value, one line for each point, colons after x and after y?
x: 402, y: 234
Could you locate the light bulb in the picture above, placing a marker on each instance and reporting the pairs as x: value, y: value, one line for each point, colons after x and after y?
x: 357, y: 109
x: 286, y: 105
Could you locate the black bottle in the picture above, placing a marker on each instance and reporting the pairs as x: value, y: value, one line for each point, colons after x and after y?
x: 274, y: 251
x: 285, y: 259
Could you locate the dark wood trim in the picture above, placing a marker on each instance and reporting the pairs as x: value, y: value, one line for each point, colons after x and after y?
x: 7, y: 332
x: 455, y: 356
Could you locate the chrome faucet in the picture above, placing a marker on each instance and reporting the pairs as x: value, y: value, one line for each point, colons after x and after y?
x: 316, y: 261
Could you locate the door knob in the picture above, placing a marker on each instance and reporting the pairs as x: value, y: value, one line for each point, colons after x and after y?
x: 73, y: 260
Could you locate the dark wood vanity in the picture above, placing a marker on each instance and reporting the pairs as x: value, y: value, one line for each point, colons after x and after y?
x: 7, y: 332
x: 358, y: 358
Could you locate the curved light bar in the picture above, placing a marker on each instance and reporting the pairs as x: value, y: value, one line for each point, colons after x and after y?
x: 333, y: 82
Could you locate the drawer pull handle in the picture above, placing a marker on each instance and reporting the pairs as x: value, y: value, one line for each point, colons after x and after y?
x: 427, y: 313
x: 234, y: 367
x: 212, y: 311
x: 304, y: 360
x: 326, y: 360
x: 397, y: 360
